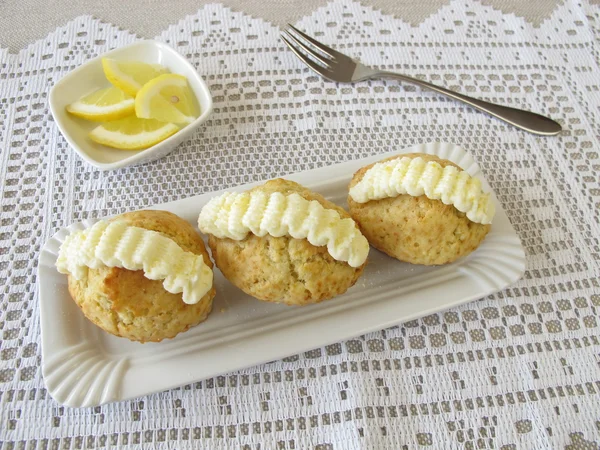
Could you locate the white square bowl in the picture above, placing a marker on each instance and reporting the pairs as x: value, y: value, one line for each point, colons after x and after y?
x: 89, y: 77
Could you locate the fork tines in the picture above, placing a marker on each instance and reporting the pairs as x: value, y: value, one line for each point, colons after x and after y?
x: 317, y: 56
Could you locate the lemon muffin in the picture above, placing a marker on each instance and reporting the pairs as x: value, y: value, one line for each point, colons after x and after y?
x: 282, y: 243
x: 420, y: 209
x: 144, y: 275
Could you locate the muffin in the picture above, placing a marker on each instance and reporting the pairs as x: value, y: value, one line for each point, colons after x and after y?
x: 282, y: 243
x: 420, y: 209
x: 127, y: 303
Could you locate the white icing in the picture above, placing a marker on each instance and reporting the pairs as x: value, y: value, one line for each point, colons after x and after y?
x: 234, y: 215
x: 416, y: 177
x: 115, y: 244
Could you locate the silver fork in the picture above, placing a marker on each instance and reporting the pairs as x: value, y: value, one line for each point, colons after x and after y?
x: 336, y: 66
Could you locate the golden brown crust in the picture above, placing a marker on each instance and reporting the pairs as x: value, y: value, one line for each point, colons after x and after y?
x: 127, y: 304
x: 284, y: 269
x: 417, y: 230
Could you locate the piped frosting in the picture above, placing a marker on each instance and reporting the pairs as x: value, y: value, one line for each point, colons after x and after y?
x: 116, y: 244
x: 416, y: 177
x: 235, y: 215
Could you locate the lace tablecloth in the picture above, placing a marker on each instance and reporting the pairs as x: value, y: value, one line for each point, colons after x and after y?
x: 517, y: 370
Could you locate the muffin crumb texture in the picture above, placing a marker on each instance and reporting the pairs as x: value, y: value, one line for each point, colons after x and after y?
x: 127, y: 304
x: 417, y: 230
x: 284, y: 269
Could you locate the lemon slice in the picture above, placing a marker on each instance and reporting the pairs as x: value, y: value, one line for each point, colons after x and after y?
x: 132, y: 133
x: 130, y: 76
x: 167, y: 98
x: 103, y: 105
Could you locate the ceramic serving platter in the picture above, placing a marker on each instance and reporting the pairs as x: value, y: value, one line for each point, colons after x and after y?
x: 85, y: 366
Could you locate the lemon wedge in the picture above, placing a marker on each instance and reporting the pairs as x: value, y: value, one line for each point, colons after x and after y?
x: 167, y: 98
x: 130, y: 76
x: 132, y: 133
x: 103, y: 105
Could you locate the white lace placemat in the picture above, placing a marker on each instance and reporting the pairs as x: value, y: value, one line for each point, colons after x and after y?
x: 517, y: 370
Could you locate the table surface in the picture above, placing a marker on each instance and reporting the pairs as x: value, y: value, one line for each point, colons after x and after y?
x: 518, y: 369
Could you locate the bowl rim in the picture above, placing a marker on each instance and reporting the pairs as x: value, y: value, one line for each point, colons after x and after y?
x: 142, y: 154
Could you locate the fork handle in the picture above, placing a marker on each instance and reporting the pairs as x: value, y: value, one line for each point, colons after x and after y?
x: 526, y: 120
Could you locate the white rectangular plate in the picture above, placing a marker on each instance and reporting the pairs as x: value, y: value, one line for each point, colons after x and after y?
x: 84, y: 366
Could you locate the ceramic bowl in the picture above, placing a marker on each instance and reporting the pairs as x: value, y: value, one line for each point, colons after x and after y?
x: 89, y: 77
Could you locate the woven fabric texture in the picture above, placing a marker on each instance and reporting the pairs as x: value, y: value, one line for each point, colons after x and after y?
x: 22, y: 22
